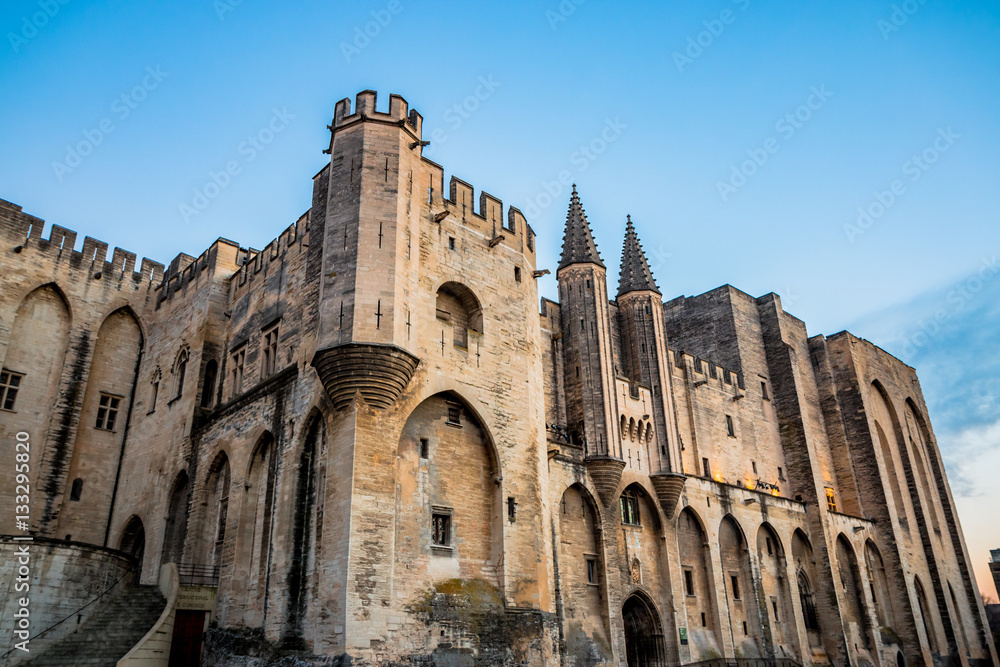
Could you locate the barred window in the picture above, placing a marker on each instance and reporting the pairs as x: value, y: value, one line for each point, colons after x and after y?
x: 10, y: 383
x: 107, y: 412
x: 831, y: 500
x: 441, y: 526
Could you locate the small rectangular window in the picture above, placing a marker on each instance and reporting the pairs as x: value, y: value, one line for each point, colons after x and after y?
x: 10, y: 383
x: 591, y: 570
x: 441, y: 527
x: 454, y: 415
x: 511, y: 509
x: 704, y: 621
x: 689, y: 582
x: 781, y: 473
x: 269, y: 352
x: 753, y: 464
x: 706, y: 468
x: 424, y: 448
x: 736, y: 586
x: 763, y: 391
x: 517, y: 273
x: 769, y: 547
x: 774, y: 608
x: 744, y: 628
x: 629, y: 502
x: 107, y: 412
x: 730, y: 426
x: 451, y: 243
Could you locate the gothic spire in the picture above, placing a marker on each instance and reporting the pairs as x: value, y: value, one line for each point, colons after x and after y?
x: 635, y: 273
x: 578, y: 241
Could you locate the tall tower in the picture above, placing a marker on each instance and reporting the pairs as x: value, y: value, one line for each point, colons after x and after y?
x: 644, y: 352
x: 587, y: 348
x: 371, y: 218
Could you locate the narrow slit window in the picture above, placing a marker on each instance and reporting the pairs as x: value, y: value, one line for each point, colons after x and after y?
x: 591, y: 570
x: 270, y: 352
x: 735, y: 580
x: 730, y: 426
x: 689, y: 582
x: 424, y: 448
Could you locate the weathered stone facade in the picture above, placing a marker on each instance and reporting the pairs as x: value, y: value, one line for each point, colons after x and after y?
x: 392, y: 458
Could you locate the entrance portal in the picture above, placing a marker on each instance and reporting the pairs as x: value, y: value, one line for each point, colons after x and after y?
x: 643, y: 635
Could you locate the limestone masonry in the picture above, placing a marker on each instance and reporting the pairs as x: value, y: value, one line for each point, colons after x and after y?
x: 388, y: 456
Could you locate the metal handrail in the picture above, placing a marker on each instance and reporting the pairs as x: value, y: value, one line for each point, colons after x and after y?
x: 745, y: 662
x: 105, y: 592
x: 194, y: 574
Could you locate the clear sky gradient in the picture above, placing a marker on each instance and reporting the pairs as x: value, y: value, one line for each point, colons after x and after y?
x: 842, y: 154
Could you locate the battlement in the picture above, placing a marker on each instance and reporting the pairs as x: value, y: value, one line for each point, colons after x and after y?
x: 706, y: 371
x: 512, y: 230
x: 254, y: 261
x: 24, y: 232
x: 399, y: 112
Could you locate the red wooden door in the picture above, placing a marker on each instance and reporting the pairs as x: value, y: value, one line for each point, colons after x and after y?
x: 185, y: 648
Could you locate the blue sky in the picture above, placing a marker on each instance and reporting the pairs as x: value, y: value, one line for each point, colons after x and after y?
x: 746, y: 139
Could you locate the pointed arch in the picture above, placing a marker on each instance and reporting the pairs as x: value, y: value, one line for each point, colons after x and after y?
x: 854, y: 610
x: 133, y: 542
x: 255, y: 523
x: 805, y: 578
x: 698, y: 582
x: 219, y: 487
x: 644, y: 642
x: 104, y: 418
x: 926, y: 620
x: 582, y: 569
x: 744, y: 617
x: 878, y: 585
x: 459, y: 306
x: 33, y: 365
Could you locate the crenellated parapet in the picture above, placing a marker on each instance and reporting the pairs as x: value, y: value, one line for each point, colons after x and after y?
x: 399, y: 114
x: 487, y: 217
x: 23, y: 233
x: 706, y: 372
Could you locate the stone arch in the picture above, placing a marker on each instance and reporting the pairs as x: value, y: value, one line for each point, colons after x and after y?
x: 133, y: 542
x: 175, y: 523
x: 744, y: 619
x: 698, y: 583
x: 806, y: 578
x: 459, y: 305
x: 255, y: 524
x: 889, y: 435
x: 623, y: 427
x: 853, y: 609
x: 878, y: 585
x: 960, y: 617
x: 582, y: 573
x: 644, y: 641
x: 35, y: 355
x: 104, y: 417
x: 307, y: 532
x: 926, y: 620
x: 777, y: 595
x: 631, y: 429
x: 449, y: 517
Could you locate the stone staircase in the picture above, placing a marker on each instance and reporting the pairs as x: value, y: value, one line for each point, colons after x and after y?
x: 109, y: 634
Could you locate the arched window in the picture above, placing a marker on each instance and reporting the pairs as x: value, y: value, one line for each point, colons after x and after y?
x: 218, y: 507
x: 175, y: 529
x: 458, y: 306
x: 133, y: 541
x: 208, y: 384
x: 180, y: 370
x: 808, y: 606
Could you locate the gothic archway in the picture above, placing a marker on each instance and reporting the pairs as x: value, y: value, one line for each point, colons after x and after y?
x: 644, y: 645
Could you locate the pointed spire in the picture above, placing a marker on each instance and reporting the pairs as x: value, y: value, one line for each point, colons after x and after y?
x: 578, y: 241
x: 635, y: 273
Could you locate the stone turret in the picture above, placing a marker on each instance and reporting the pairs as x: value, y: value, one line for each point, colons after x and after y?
x: 644, y: 352
x: 589, y: 359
